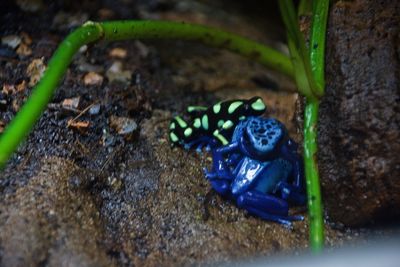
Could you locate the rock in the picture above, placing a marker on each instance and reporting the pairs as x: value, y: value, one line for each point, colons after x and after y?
x: 118, y: 52
x: 48, y: 211
x: 359, y: 116
x: 12, y: 41
x: 93, y: 78
x: 71, y: 103
x: 95, y: 109
x: 123, y: 126
x: 87, y: 67
x: 116, y: 73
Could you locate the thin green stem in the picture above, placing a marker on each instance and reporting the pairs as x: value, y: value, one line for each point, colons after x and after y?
x: 123, y: 30
x: 23, y: 122
x: 298, y: 51
x: 305, y: 7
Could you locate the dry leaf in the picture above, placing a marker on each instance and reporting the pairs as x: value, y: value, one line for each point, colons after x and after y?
x: 24, y: 50
x: 21, y: 86
x: 8, y: 89
x: 78, y: 125
x: 35, y: 71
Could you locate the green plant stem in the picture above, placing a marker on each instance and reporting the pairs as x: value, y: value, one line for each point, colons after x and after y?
x: 312, y: 176
x: 317, y: 60
x: 298, y: 52
x: 317, y: 42
x: 304, y: 7
x: 123, y: 30
x: 309, y: 73
x: 23, y: 122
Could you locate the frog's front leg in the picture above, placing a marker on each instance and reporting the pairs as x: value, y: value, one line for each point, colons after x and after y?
x: 200, y: 142
x: 267, y: 207
x: 220, y: 169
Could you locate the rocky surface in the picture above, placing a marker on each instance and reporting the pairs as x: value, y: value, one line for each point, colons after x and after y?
x: 80, y: 193
x: 359, y: 116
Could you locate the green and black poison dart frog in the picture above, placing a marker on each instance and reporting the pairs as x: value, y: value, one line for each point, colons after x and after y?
x: 212, y: 126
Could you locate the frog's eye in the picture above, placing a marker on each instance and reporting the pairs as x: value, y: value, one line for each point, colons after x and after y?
x: 258, y: 104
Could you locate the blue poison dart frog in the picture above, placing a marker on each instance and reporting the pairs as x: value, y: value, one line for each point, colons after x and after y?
x: 212, y: 126
x: 260, y: 170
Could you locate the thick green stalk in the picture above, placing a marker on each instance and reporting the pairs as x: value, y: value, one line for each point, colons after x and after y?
x: 317, y: 42
x: 123, y: 30
x: 310, y: 148
x: 317, y: 59
x: 309, y: 73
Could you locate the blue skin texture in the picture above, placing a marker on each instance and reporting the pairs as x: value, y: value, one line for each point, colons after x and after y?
x: 260, y: 170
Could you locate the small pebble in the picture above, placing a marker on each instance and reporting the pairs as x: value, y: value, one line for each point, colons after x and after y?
x: 94, y: 110
x: 118, y: 52
x: 93, y: 78
x: 107, y: 139
x: 116, y: 73
x: 123, y: 125
x: 87, y: 67
x: 69, y: 103
x: 12, y: 41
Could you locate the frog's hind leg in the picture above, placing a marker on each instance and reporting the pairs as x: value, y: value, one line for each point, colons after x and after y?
x: 267, y: 207
x: 199, y: 143
x: 293, y: 190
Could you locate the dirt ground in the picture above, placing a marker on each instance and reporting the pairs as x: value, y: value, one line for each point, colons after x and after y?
x: 80, y: 192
